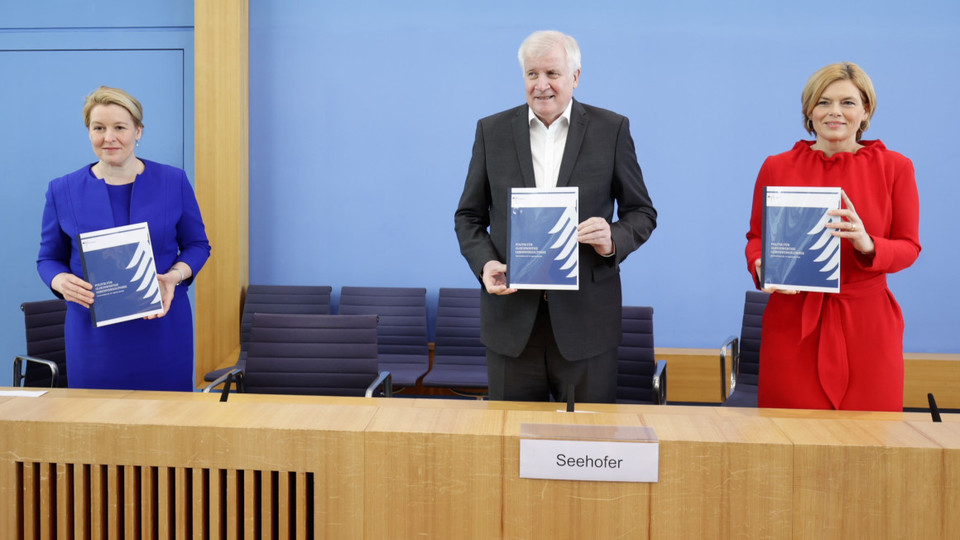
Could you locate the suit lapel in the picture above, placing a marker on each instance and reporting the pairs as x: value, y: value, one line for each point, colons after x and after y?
x: 578, y: 127
x: 91, y: 203
x: 521, y: 137
x: 144, y: 200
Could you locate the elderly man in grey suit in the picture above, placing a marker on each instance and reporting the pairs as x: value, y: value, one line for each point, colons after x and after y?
x: 545, y: 344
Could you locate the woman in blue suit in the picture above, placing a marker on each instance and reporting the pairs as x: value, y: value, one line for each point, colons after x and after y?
x: 156, y: 352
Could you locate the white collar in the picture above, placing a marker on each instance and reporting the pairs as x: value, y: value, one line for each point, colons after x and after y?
x: 531, y: 116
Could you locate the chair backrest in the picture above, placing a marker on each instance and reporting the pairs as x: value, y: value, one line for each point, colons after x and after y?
x: 457, y: 336
x: 311, y: 354
x: 755, y: 302
x: 43, y: 322
x: 301, y: 299
x: 402, y: 330
x: 636, y: 363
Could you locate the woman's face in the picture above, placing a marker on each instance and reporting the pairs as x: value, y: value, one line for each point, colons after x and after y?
x: 838, y: 113
x: 113, y: 134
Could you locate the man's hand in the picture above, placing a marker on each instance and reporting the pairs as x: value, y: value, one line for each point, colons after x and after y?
x: 495, y: 278
x: 595, y: 231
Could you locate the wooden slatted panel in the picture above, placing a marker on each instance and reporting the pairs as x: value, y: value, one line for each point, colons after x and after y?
x: 48, y: 500
x: 300, y: 504
x: 267, y: 494
x: 182, y: 502
x: 283, y: 501
x: 30, y: 502
x: 98, y: 501
x: 82, y: 501
x: 216, y: 510
x: 234, y: 482
x: 251, y: 494
x: 165, y: 503
x: 114, y: 501
x: 200, y: 502
x: 148, y: 498
x: 64, y: 497
x: 130, y: 479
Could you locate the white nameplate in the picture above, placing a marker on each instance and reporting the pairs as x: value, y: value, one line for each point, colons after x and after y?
x: 591, y: 460
x: 22, y: 393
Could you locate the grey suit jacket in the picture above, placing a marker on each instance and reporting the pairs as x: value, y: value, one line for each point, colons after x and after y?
x: 600, y: 159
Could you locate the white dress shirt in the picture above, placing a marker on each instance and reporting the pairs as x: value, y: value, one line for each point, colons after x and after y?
x: 546, y: 145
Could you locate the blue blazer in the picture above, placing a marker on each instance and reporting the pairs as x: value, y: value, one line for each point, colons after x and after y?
x: 162, y: 196
x: 599, y: 157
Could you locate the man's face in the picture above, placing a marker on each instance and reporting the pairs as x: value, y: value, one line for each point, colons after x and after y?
x: 550, y: 83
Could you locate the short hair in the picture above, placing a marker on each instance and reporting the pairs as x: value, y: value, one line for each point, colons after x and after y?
x: 541, y: 42
x: 112, y: 96
x: 827, y: 75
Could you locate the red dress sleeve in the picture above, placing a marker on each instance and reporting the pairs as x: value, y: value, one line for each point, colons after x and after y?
x: 754, y: 249
x: 898, y: 247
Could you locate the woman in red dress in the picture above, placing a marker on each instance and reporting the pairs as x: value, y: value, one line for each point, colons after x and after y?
x: 844, y: 350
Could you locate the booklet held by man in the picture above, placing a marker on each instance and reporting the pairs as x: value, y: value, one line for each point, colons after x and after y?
x: 542, y: 243
x: 799, y: 253
x: 119, y: 263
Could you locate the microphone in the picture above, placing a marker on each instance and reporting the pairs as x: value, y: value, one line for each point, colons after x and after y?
x: 569, y: 398
x: 934, y: 410
x: 226, y: 388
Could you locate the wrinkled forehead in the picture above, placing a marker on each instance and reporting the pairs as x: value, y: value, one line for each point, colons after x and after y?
x: 548, y: 58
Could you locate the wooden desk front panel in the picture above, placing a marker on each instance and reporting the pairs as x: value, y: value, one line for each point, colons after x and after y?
x: 534, y: 508
x: 864, y: 479
x: 433, y: 473
x: 721, y: 478
x: 185, y: 465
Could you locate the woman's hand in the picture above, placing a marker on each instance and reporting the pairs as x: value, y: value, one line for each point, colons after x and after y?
x: 771, y: 289
x: 73, y: 289
x: 851, y: 227
x: 168, y: 286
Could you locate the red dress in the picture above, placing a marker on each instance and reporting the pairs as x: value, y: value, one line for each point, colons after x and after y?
x: 841, y: 351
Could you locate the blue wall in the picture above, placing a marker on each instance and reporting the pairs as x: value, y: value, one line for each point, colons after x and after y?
x: 52, y: 54
x: 362, y: 118
x: 363, y: 112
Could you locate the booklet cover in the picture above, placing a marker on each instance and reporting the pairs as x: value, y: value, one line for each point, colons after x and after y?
x: 542, y: 239
x: 118, y: 262
x: 799, y: 253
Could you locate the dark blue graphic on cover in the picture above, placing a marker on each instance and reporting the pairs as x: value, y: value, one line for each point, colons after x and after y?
x: 799, y: 253
x: 119, y: 264
x: 543, y: 248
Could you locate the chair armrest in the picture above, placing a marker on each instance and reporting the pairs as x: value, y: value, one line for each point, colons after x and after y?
x: 19, y: 364
x: 236, y: 372
x: 729, y: 350
x: 384, y: 379
x: 660, y: 382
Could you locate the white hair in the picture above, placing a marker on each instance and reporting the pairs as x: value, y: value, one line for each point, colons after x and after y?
x: 543, y: 41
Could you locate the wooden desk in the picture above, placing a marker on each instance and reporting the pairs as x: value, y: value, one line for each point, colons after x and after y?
x: 185, y: 465
x: 694, y: 376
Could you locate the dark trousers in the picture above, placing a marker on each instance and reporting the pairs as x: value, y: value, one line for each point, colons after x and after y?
x: 541, y: 372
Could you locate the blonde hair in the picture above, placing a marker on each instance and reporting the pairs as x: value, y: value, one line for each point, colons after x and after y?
x: 827, y: 75
x: 112, y: 96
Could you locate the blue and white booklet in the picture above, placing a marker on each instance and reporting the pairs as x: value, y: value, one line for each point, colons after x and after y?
x: 542, y: 239
x: 119, y: 263
x: 799, y: 253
